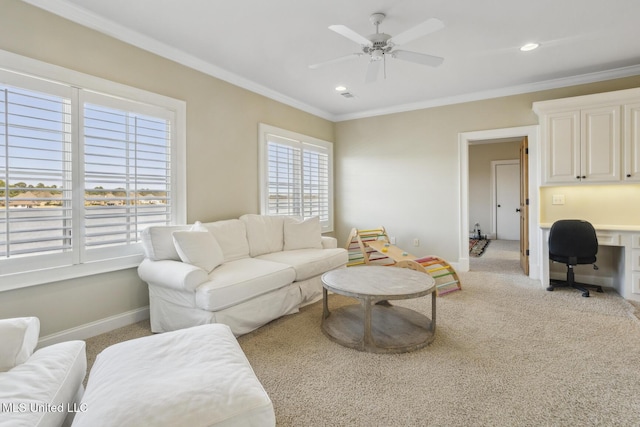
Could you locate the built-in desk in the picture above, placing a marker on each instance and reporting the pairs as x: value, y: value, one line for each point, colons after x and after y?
x: 627, y: 279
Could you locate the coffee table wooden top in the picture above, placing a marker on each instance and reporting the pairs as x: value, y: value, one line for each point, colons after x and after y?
x: 379, y: 282
x: 375, y: 324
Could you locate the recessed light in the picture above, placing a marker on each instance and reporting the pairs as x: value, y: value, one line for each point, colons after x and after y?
x: 529, y: 46
x: 340, y: 88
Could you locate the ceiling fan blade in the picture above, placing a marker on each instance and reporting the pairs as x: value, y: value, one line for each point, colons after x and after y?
x: 418, y: 58
x: 429, y: 26
x: 335, y: 60
x: 350, y: 34
x: 372, y: 72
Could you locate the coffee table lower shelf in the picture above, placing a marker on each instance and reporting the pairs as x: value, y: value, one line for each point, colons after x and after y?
x: 393, y: 329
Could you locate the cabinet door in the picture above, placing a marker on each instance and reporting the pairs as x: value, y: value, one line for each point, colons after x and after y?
x: 562, y: 148
x: 600, y: 144
x: 632, y: 142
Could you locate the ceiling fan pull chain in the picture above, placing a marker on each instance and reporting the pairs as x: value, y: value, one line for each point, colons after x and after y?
x: 384, y: 66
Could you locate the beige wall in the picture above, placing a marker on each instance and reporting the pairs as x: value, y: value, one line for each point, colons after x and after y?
x: 222, y: 149
x: 401, y: 170
x: 480, y: 158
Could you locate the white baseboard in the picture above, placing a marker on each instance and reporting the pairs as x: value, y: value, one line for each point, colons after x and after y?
x: 96, y: 328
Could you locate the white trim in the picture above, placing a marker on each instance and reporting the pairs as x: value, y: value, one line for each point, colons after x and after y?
x: 56, y: 274
x: 83, y: 17
x: 616, y: 97
x: 464, y: 139
x: 98, y: 327
x: 493, y: 217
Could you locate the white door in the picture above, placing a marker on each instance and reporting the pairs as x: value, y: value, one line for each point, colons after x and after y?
x: 508, y: 201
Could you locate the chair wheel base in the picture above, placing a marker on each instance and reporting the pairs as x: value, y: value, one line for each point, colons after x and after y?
x: 579, y: 286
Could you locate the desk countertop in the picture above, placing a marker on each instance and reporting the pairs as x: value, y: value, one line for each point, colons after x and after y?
x: 602, y: 227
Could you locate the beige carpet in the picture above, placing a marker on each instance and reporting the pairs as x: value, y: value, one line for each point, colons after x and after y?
x: 506, y: 353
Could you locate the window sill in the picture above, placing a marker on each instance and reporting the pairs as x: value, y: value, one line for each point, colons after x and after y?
x: 55, y: 274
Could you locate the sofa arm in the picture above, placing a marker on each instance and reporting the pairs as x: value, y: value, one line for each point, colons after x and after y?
x: 172, y: 274
x: 329, y: 242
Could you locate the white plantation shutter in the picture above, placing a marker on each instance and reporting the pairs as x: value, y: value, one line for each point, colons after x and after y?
x: 285, y: 189
x: 296, y: 175
x: 315, y: 178
x: 127, y: 173
x: 35, y: 164
x: 82, y: 173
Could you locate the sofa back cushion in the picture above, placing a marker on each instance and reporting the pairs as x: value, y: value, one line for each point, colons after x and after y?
x: 264, y: 233
x: 302, y: 234
x: 231, y: 235
x: 157, y: 242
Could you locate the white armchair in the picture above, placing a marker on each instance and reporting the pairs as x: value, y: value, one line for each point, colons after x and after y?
x: 40, y: 388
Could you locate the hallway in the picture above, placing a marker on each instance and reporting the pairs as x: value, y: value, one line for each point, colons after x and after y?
x: 501, y: 256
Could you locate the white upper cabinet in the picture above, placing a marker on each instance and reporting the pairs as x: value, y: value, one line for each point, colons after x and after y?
x: 562, y: 149
x: 600, y: 144
x: 591, y: 139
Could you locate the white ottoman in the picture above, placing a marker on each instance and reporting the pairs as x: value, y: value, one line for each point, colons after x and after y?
x: 190, y: 377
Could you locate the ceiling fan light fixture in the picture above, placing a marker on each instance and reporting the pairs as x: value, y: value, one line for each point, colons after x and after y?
x: 529, y: 46
x: 377, y: 55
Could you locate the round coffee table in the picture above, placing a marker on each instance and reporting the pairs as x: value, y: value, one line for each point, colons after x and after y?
x: 375, y: 325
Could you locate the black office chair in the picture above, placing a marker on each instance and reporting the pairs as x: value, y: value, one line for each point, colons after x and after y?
x: 573, y: 242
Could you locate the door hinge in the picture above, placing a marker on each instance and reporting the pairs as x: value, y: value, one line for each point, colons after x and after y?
x: 526, y: 252
x: 526, y: 150
x: 527, y: 202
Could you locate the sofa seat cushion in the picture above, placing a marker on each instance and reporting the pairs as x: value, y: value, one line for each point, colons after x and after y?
x: 51, y: 378
x: 308, y: 263
x: 197, y: 376
x: 237, y: 281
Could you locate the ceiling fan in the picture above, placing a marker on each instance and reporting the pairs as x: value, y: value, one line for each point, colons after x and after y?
x: 380, y: 45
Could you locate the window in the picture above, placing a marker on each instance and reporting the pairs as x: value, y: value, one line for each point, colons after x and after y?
x: 82, y: 173
x: 296, y: 175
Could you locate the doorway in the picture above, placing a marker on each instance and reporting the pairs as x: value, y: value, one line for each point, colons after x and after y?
x: 530, y: 225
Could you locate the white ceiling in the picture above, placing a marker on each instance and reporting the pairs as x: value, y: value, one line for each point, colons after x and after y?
x: 267, y: 45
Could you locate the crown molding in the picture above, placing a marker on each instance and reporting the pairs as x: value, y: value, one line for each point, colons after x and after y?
x: 83, y: 17
x: 617, y: 73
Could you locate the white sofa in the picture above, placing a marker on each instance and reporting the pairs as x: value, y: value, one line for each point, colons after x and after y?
x: 41, y: 388
x: 241, y: 272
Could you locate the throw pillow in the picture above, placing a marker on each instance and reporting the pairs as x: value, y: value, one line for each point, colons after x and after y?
x: 198, y: 248
x: 305, y: 234
x: 197, y: 226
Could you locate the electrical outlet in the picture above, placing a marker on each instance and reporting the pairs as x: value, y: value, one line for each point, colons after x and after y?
x: 557, y: 199
x: 392, y: 240
x: 416, y: 242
